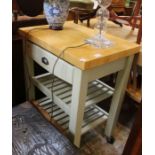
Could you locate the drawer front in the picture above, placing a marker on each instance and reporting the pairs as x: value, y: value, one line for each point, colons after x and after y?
x: 47, y: 60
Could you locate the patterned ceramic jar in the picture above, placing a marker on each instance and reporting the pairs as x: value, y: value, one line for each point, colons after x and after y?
x: 56, y: 12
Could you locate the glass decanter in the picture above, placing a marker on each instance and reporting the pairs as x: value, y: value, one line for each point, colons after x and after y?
x: 102, y: 15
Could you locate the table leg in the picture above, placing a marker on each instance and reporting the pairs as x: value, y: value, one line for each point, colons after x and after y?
x: 79, y: 92
x: 29, y: 72
x: 121, y: 84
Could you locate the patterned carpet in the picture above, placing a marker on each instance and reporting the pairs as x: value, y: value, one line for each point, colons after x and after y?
x: 41, y: 142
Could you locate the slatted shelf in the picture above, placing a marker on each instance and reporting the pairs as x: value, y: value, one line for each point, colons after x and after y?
x: 93, y: 115
x: 62, y: 91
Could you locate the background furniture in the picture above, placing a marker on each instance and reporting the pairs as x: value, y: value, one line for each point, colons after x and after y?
x: 18, y: 85
x: 134, y: 143
x: 128, y: 20
x: 116, y: 9
x: 118, y: 6
x: 21, y: 20
x: 87, y: 4
x: 83, y: 14
x: 134, y: 88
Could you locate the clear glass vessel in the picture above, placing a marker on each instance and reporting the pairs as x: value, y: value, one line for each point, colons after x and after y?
x: 102, y: 15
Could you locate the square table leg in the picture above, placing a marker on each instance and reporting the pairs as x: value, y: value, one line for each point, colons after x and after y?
x: 79, y: 92
x: 121, y: 84
x: 29, y: 73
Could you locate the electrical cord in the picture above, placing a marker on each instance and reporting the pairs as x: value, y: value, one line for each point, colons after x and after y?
x: 53, y: 69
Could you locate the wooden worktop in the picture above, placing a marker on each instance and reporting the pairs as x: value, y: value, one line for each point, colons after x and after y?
x: 85, y: 57
x: 124, y: 32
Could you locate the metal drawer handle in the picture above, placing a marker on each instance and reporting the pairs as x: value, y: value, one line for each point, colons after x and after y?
x: 45, y: 61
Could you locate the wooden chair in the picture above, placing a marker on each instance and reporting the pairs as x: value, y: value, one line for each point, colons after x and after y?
x: 83, y: 14
x: 86, y: 14
x: 134, y: 89
x: 118, y: 6
x: 135, y: 21
x: 82, y: 10
x: 128, y: 20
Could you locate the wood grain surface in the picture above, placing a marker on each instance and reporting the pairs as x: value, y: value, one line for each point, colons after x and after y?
x: 85, y: 57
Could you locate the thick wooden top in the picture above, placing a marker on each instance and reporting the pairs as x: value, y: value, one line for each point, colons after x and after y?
x: 85, y: 57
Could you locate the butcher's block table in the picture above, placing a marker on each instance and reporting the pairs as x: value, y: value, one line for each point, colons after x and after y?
x: 77, y: 87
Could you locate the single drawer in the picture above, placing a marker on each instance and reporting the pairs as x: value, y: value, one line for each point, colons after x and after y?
x: 47, y: 60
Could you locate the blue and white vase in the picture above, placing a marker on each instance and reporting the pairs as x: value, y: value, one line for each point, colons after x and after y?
x: 56, y: 12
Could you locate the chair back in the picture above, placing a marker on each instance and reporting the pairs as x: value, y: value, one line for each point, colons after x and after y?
x: 28, y: 7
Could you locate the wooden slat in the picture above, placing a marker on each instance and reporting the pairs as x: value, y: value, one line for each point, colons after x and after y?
x: 59, y: 87
x: 96, y: 89
x: 94, y: 124
x: 93, y: 116
x: 56, y: 83
x: 42, y: 99
x: 43, y: 77
x: 62, y: 91
x: 48, y: 106
x: 92, y: 89
x: 55, y: 109
x: 105, y: 85
x: 68, y: 93
x: 46, y: 102
x: 49, y: 81
x: 90, y: 113
x: 48, y: 117
x: 61, y: 120
x: 95, y: 93
x: 65, y: 94
x: 48, y: 92
x: 99, y: 98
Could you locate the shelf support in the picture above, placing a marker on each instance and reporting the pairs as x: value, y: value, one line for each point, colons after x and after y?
x: 79, y: 93
x: 121, y: 84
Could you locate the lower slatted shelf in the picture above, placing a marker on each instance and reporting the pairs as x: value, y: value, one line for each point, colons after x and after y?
x: 93, y: 115
x: 62, y: 91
